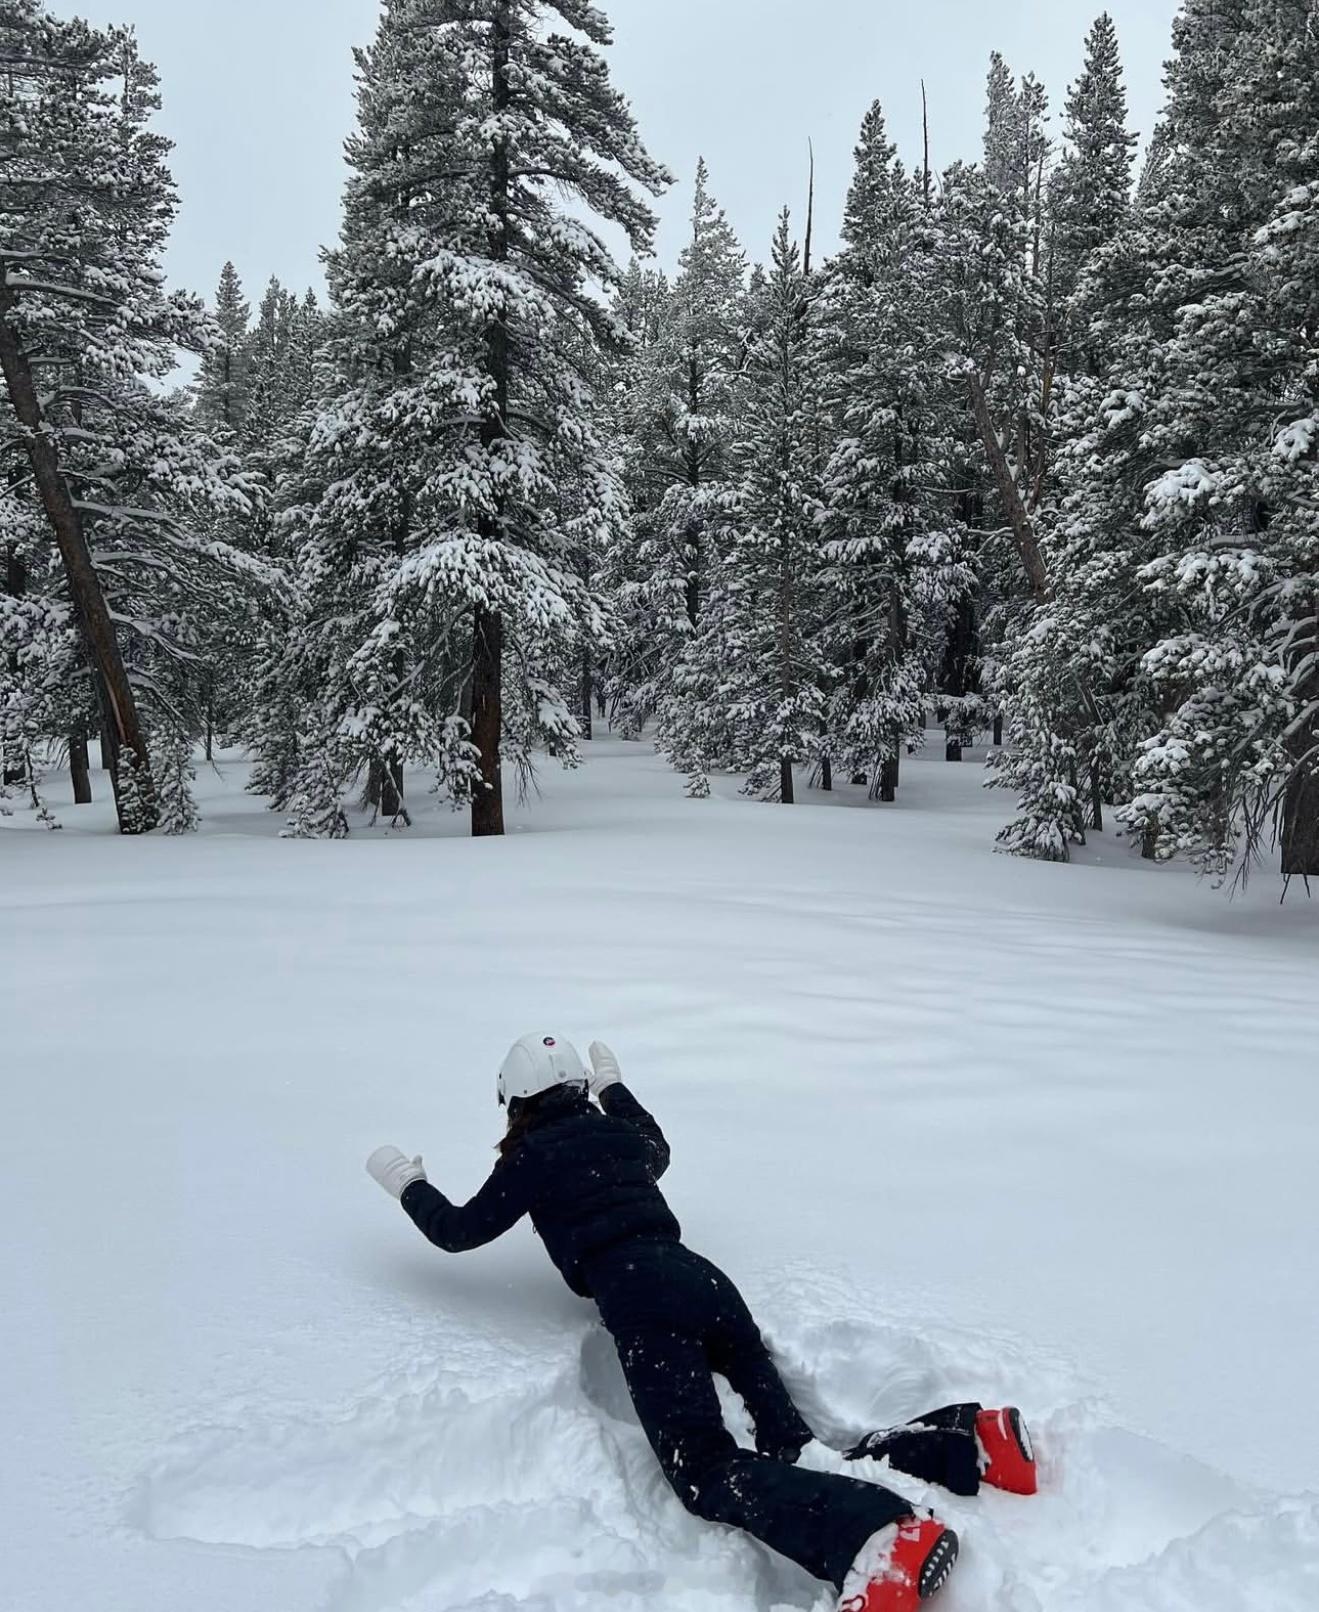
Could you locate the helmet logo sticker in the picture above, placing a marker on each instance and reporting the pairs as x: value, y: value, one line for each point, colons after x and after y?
x: 549, y: 1041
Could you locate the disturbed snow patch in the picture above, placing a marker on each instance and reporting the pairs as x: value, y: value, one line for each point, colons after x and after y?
x: 499, y: 1486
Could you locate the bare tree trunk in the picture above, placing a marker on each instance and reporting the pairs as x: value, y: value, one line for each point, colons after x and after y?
x: 15, y: 587
x: 84, y: 583
x: 488, y: 628
x: 391, y: 792
x: 1023, y: 531
x: 1300, y: 825
x: 80, y: 769
x: 588, y: 683
x: 487, y: 721
x: 1300, y: 801
x: 890, y: 773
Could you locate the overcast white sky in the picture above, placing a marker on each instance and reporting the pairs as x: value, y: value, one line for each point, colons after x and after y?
x: 259, y: 95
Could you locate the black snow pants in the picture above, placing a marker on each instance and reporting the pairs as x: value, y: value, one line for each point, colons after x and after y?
x: 676, y: 1319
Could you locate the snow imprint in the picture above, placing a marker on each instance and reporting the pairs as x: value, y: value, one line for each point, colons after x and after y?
x: 458, y: 1489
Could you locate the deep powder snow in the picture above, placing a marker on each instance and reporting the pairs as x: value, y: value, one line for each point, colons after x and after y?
x: 960, y: 1126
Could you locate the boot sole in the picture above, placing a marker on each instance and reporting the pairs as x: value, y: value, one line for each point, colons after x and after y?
x: 938, y: 1565
x: 1018, y: 1426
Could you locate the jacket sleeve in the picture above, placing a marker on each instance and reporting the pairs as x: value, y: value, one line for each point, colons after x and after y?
x: 496, y: 1208
x: 619, y: 1103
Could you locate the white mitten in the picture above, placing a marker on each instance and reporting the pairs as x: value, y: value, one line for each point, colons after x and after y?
x: 394, y: 1170
x: 604, y: 1066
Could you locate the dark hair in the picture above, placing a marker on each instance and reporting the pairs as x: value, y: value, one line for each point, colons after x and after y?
x: 525, y: 1112
x: 522, y: 1112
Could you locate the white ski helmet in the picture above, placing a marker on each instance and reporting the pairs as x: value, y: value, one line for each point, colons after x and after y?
x: 536, y: 1063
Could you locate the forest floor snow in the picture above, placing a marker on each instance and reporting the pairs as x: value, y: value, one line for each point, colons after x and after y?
x: 960, y: 1126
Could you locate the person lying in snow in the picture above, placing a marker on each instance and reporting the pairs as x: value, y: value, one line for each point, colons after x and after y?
x: 587, y: 1177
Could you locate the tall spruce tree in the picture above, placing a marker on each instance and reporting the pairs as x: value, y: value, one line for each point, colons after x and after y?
x: 892, y: 548
x: 1230, y: 427
x: 1090, y: 194
x: 460, y: 462
x: 754, y: 677
x: 222, y: 385
x: 682, y: 426
x: 1185, y: 547
x: 1073, y: 702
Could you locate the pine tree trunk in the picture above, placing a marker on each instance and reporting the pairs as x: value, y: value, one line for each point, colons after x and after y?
x: 1300, y: 801
x: 84, y: 583
x: 998, y: 731
x: 786, y: 795
x: 1300, y: 826
x: 80, y: 769
x: 960, y: 677
x: 588, y: 684
x: 827, y: 774
x: 693, y: 481
x: 488, y: 628
x: 487, y: 721
x: 15, y: 587
x: 1023, y: 531
x: 890, y: 772
x: 391, y: 792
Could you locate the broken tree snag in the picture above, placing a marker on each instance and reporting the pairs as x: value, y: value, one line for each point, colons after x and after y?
x: 1023, y: 530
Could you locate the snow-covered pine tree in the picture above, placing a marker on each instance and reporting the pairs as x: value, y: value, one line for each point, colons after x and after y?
x: 222, y: 385
x: 677, y: 455
x: 1229, y: 441
x: 1185, y: 544
x: 755, y: 663
x: 626, y: 676
x: 460, y: 461
x: 891, y: 547
x: 43, y: 690
x: 1072, y: 703
x: 996, y: 313
x: 1090, y: 191
x: 86, y: 334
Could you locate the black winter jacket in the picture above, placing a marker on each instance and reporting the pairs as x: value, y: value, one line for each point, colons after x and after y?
x: 586, y: 1178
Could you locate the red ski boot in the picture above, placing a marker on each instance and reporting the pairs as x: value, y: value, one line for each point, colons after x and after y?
x: 900, y: 1566
x: 1007, y: 1457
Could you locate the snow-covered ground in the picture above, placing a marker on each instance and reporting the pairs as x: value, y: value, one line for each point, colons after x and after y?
x: 959, y: 1125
